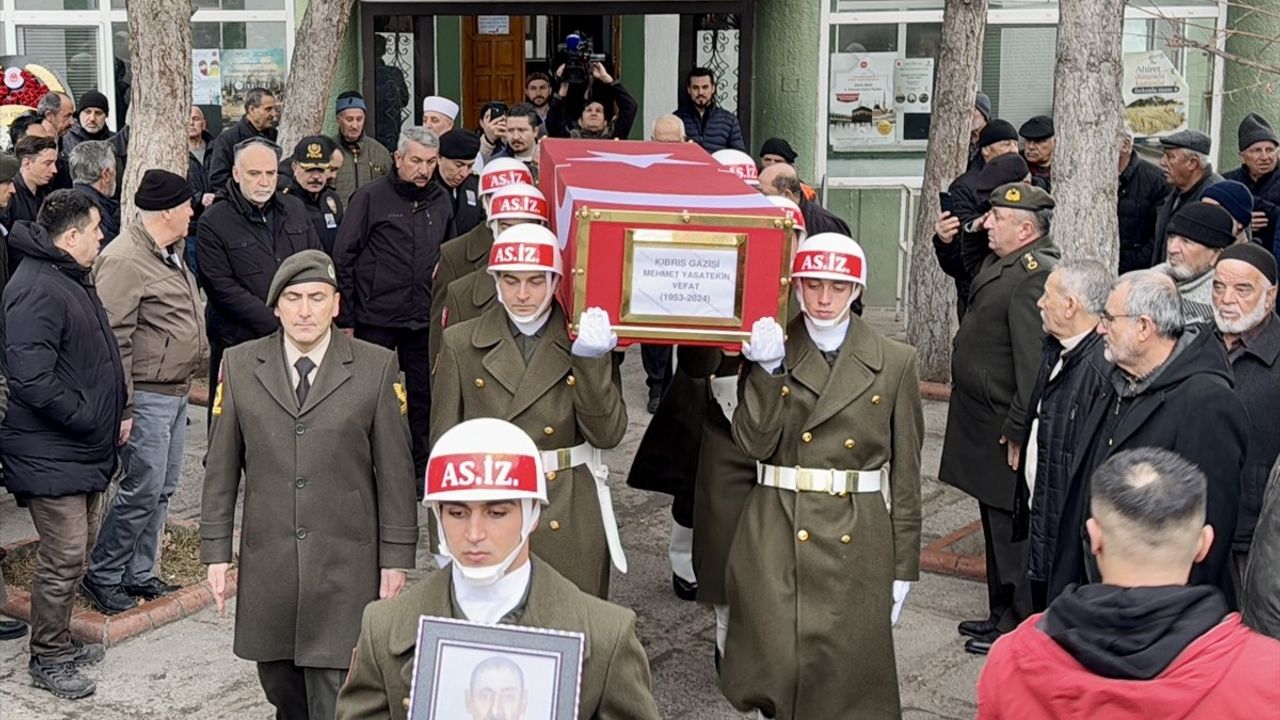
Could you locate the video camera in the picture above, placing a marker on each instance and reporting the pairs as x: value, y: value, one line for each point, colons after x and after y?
x: 579, y: 53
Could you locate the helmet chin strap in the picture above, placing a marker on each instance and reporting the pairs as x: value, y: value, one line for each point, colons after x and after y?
x: 532, y: 323
x: 489, y: 574
x: 839, y: 320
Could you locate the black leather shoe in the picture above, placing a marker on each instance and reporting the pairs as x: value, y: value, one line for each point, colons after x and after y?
x: 976, y: 628
x: 110, y: 600
x: 150, y: 589
x: 652, y: 407
x: 980, y: 646
x: 685, y: 590
x: 12, y: 629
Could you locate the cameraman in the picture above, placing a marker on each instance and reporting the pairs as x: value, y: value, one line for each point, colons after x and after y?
x: 602, y: 92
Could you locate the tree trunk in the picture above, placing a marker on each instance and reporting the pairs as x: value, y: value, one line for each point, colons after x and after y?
x: 1087, y: 117
x: 931, y: 297
x: 160, y: 51
x: 315, y: 55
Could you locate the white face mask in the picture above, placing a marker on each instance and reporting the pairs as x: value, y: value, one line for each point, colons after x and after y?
x: 490, y: 574
x: 530, y: 324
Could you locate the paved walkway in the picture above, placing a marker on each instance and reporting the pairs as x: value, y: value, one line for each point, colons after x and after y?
x: 187, y: 670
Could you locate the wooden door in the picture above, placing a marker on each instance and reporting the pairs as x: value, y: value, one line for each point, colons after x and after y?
x: 492, y: 63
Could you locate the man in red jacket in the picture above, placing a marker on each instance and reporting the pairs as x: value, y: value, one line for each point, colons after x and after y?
x: 1141, y: 644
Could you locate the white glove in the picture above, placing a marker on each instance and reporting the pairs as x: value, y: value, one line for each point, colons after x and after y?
x: 900, y: 590
x: 767, y: 345
x: 595, y: 335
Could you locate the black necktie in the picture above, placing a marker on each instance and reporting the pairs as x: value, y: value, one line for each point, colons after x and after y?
x: 304, y: 366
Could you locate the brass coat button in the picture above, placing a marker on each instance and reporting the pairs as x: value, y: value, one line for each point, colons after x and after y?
x: 846, y: 539
x: 554, y: 525
x: 875, y: 399
x: 571, y: 381
x: 479, y: 382
x: 849, y: 443
x: 551, y: 475
x: 803, y: 536
x: 405, y: 703
x: 548, y: 430
x: 785, y: 391
x: 806, y: 437
x: 300, y: 428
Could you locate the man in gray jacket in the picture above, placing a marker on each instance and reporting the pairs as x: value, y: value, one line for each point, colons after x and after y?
x: 156, y: 315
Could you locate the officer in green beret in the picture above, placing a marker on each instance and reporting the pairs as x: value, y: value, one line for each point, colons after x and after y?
x: 993, y: 368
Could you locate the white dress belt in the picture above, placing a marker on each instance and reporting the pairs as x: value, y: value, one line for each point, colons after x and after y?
x: 584, y: 454
x: 830, y: 481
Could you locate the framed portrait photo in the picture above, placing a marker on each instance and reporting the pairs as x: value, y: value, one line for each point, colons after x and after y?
x: 469, y: 671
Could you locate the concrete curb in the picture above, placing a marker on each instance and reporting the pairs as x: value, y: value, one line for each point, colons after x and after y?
x: 91, y: 626
x: 937, y: 556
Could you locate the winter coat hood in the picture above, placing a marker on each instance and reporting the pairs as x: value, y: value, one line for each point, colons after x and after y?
x: 32, y: 241
x: 1198, y: 351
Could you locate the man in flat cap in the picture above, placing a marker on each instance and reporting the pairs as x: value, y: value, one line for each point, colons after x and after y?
x: 157, y: 317
x: 995, y: 364
x: 311, y: 165
x: 458, y: 151
x: 1037, y: 147
x: 315, y: 421
x: 1196, y: 236
x: 1257, y: 171
x: 1244, y: 309
x: 439, y: 114
x: 364, y: 159
x: 1185, y: 161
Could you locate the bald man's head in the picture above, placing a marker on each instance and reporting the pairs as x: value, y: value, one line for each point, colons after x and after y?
x: 668, y: 128
x: 781, y: 179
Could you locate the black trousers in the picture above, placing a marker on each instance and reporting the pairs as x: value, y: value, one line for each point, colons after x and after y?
x: 301, y: 693
x: 657, y: 368
x: 1007, y: 591
x: 411, y: 345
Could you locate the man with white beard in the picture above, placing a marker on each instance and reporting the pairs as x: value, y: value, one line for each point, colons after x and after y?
x: 1244, y: 303
x: 1194, y: 240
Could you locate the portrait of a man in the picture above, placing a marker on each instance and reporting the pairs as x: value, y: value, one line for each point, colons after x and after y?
x: 497, y: 690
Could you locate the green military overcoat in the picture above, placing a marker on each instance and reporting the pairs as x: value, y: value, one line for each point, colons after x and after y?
x: 560, y: 400
x: 810, y: 575
x: 328, y: 495
x: 458, y: 258
x: 994, y: 364
x: 724, y: 478
x: 615, y: 685
x: 465, y: 299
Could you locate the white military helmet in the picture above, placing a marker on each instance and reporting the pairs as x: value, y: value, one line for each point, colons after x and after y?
x: 793, y: 213
x: 830, y: 256
x: 503, y: 172
x: 518, y: 202
x: 742, y: 164
x: 483, y: 460
x: 526, y: 248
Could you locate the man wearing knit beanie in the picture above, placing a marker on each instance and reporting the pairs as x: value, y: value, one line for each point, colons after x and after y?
x: 1244, y: 304
x: 1196, y: 237
x: 1257, y: 171
x: 1236, y: 199
x: 141, y: 275
x: 92, y: 122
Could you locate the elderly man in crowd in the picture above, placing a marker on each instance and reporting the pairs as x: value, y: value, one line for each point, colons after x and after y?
x: 311, y: 166
x: 364, y: 158
x: 1168, y: 371
x: 1185, y: 162
x: 1195, y: 238
x: 456, y: 176
x: 261, y: 116
x: 1142, y: 189
x: 1073, y: 373
x: 439, y: 114
x: 157, y: 317
x: 92, y: 122
x: 1038, y: 145
x: 1257, y: 171
x: 57, y: 113
x: 1244, y: 304
x: 93, y: 168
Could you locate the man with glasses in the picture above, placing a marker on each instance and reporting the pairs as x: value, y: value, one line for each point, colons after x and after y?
x: 997, y: 358
x: 312, y: 167
x: 1171, y: 388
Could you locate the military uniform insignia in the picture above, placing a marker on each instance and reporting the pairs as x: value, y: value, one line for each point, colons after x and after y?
x: 1013, y: 195
x: 1030, y: 260
x: 333, y: 204
x: 330, y: 272
x: 217, y: 399
x: 402, y: 396
x: 315, y: 152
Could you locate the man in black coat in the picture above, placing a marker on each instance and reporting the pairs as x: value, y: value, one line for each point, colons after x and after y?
x: 1073, y: 375
x: 60, y: 437
x: 308, y: 181
x: 91, y: 122
x: 261, y: 115
x: 1244, y: 305
x: 240, y: 242
x: 386, y: 253
x: 1171, y: 388
x: 705, y: 122
x: 1257, y: 171
x: 1142, y: 190
x: 458, y: 150
x: 1185, y: 162
x: 38, y: 158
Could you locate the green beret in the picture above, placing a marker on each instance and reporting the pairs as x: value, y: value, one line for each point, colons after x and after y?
x: 1021, y: 196
x: 303, y: 267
